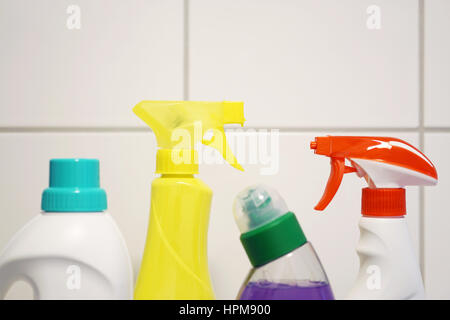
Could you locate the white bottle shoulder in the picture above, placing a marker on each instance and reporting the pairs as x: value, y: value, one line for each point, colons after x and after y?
x: 66, y: 234
x: 60, y: 243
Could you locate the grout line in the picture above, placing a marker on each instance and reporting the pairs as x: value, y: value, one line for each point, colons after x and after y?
x: 125, y: 129
x: 435, y: 129
x: 186, y: 50
x: 71, y: 129
x: 106, y: 129
x: 336, y: 129
x: 421, y: 44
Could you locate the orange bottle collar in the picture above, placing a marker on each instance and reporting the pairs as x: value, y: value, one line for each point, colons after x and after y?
x: 383, y: 202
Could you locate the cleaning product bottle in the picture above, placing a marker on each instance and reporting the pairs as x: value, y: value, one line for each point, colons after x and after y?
x: 286, y: 267
x: 388, y: 266
x: 174, y: 263
x: 73, y: 249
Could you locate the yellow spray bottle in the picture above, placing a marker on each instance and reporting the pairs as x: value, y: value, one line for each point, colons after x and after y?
x: 174, y: 264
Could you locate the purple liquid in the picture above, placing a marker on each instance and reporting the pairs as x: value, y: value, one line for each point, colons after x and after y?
x: 265, y: 290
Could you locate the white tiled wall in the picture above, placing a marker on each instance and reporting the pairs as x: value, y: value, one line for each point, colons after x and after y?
x: 313, y: 63
x: 437, y: 239
x: 306, y: 67
x: 437, y: 63
x: 53, y: 76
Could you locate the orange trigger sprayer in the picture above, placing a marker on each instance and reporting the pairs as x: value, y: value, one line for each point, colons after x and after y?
x: 388, y: 266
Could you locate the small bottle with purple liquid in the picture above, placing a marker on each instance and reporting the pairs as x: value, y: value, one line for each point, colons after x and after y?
x: 285, y: 265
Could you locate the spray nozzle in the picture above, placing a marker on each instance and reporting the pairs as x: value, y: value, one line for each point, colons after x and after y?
x: 256, y: 206
x: 180, y: 125
x: 384, y: 162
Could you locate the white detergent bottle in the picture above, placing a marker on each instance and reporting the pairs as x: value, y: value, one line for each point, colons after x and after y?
x: 389, y: 268
x: 73, y: 249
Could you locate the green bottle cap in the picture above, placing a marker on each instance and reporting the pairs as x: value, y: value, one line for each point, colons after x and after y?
x: 74, y: 187
x: 268, y: 229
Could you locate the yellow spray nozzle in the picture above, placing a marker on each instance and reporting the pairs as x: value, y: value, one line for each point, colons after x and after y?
x: 180, y: 125
x: 233, y: 112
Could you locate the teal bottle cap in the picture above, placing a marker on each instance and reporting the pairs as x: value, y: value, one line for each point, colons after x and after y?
x: 74, y: 187
x: 268, y: 229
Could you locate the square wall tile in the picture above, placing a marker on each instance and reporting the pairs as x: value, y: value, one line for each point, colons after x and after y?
x: 54, y: 74
x: 127, y: 161
x: 437, y: 220
x: 437, y: 63
x: 308, y: 63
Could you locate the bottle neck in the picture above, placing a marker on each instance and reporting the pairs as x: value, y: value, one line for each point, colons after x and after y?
x: 176, y: 175
x: 383, y: 202
x: 176, y: 161
x: 62, y: 213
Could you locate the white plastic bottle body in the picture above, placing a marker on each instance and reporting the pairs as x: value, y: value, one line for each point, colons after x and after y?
x: 389, y: 268
x: 64, y: 255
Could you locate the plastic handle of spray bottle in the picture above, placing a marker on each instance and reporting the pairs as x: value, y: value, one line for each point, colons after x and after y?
x: 338, y: 169
x: 219, y: 142
x: 233, y: 112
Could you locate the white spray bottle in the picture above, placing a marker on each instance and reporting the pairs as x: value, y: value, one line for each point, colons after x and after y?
x: 389, y: 268
x: 73, y: 249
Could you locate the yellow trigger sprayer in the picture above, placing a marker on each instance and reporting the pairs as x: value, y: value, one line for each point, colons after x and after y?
x: 174, y: 264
